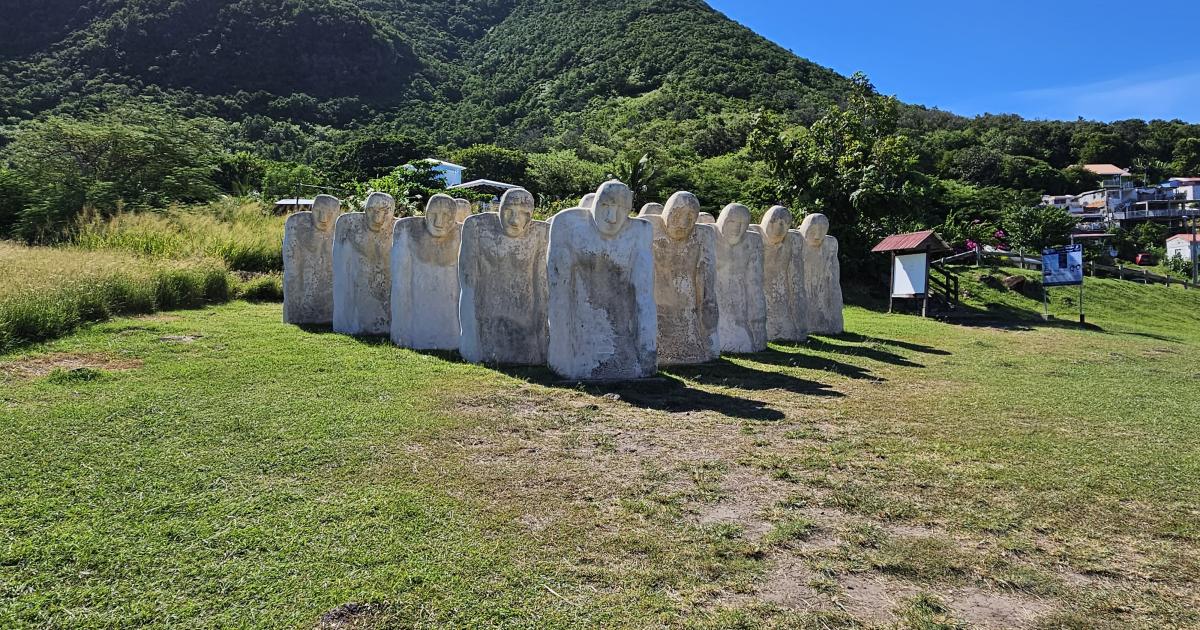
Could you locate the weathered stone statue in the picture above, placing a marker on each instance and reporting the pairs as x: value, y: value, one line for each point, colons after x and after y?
x: 603, y: 321
x: 587, y: 201
x: 706, y: 219
x: 308, y: 263
x: 742, y: 304
x: 685, y: 283
x: 502, y: 273
x: 822, y: 277
x: 362, y: 280
x: 650, y: 209
x: 425, y: 278
x: 462, y: 210
x: 783, y: 276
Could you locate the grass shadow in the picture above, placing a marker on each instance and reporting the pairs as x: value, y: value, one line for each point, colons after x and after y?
x: 670, y: 392
x: 907, y: 345
x: 772, y: 356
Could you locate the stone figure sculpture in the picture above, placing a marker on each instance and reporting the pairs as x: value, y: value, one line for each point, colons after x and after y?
x: 650, y: 209
x: 742, y: 324
x: 602, y: 316
x: 783, y: 276
x: 822, y: 277
x: 308, y: 263
x: 424, y: 301
x: 462, y: 210
x: 362, y: 280
x: 685, y: 281
x: 587, y: 201
x: 502, y: 306
x: 706, y: 219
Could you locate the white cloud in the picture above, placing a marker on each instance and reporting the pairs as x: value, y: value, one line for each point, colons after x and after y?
x: 1161, y: 94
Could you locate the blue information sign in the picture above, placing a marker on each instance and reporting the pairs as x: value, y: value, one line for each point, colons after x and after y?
x: 1062, y: 266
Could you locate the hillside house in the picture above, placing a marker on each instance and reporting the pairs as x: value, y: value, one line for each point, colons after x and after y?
x: 1185, y: 245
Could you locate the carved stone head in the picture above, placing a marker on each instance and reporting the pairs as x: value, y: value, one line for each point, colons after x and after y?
x: 462, y: 210
x: 380, y: 209
x: 588, y: 201
x: 439, y: 215
x: 614, y: 201
x: 814, y: 229
x: 516, y: 211
x: 651, y: 209
x: 733, y: 223
x: 706, y: 219
x: 775, y: 224
x: 680, y: 214
x: 324, y: 210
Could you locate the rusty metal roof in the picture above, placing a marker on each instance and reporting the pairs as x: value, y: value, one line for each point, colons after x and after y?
x: 913, y: 241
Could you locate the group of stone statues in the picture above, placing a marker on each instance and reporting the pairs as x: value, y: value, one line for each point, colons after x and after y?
x: 593, y: 293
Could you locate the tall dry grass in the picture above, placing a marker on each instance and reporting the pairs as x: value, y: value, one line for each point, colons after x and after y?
x: 239, y: 232
x: 46, y: 292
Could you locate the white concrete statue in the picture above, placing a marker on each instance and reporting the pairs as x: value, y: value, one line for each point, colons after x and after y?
x: 685, y: 283
x: 308, y: 263
x: 783, y: 276
x: 362, y: 282
x: 602, y: 316
x: 822, y: 277
x: 650, y: 209
x: 425, y: 278
x: 502, y: 273
x: 462, y: 210
x: 742, y: 304
x: 587, y: 201
x: 706, y: 219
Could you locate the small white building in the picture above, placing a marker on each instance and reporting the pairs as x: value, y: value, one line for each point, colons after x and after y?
x: 450, y: 174
x: 1179, y: 244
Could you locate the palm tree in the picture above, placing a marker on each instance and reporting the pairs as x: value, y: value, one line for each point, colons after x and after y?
x: 638, y: 174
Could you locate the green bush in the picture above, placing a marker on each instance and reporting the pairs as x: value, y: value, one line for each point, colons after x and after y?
x: 268, y: 288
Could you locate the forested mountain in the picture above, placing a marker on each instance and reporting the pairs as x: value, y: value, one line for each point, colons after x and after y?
x: 343, y: 91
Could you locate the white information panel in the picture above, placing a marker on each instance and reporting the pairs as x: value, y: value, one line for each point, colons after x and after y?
x: 908, y: 277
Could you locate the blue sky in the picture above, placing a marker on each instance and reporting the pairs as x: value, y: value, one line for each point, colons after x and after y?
x: 1056, y: 59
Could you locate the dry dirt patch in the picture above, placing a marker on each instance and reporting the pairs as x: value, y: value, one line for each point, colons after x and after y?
x: 42, y: 365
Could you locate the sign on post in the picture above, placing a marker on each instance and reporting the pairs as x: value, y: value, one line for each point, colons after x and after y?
x: 909, y: 275
x: 1062, y: 266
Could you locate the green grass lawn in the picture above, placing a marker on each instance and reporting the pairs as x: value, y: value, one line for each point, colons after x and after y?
x: 216, y: 468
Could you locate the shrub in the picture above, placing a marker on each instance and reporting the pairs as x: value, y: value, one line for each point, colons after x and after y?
x: 47, y: 293
x: 268, y: 288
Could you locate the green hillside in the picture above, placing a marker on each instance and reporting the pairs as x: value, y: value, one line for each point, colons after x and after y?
x: 340, y: 92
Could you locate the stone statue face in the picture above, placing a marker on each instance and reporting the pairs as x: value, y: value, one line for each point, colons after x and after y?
x: 462, y: 209
x: 439, y: 215
x: 815, y: 228
x: 651, y: 208
x: 733, y: 223
x: 588, y: 201
x: 380, y: 209
x: 775, y: 224
x: 516, y: 211
x: 613, y: 203
x: 325, y: 209
x: 680, y: 215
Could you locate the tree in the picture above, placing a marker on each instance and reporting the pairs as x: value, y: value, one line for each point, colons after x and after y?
x: 369, y: 157
x: 1187, y: 158
x: 1034, y: 228
x: 135, y: 158
x: 562, y: 174
x: 487, y: 161
x: 13, y: 199
x: 637, y: 173
x: 411, y: 185
x: 239, y: 173
x: 1103, y: 148
x: 851, y: 164
x: 284, y: 180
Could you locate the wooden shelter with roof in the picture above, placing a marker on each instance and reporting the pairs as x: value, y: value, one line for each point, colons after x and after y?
x: 911, y: 254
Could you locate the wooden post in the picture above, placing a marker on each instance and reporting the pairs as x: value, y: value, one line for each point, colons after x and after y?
x: 892, y: 283
x: 925, y: 299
